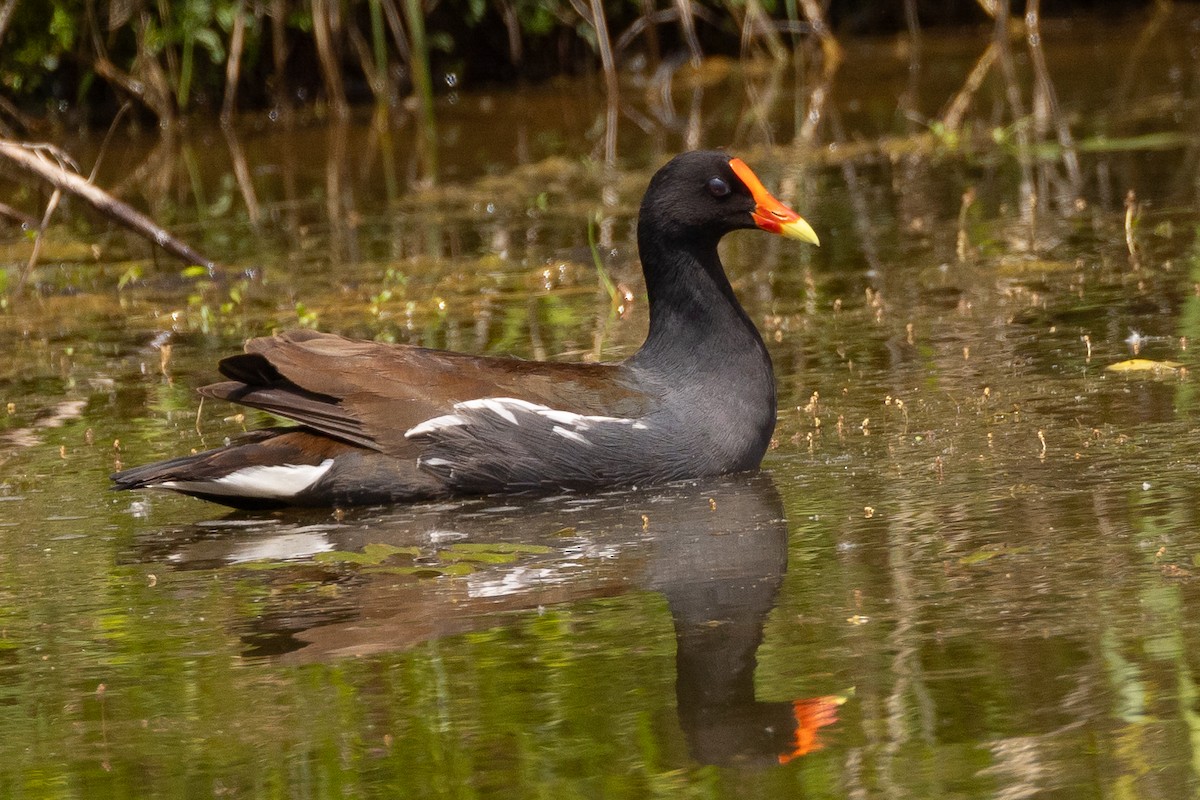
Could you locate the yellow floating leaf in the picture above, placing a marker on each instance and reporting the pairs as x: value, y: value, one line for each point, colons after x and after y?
x: 1023, y: 266
x: 1143, y: 365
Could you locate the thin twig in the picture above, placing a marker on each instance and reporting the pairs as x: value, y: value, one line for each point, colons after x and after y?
x: 10, y: 109
x: 1017, y: 107
x: 376, y: 79
x: 121, y: 112
x: 278, y: 15
x: 952, y: 117
x: 1131, y: 214
x: 33, y: 159
x: 687, y: 21
x: 6, y: 12
x: 39, y: 237
x: 757, y: 24
x: 241, y: 173
x: 963, y: 245
x: 1133, y: 64
x: 56, y: 196
x: 830, y: 49
x: 396, y: 27
x: 1038, y: 59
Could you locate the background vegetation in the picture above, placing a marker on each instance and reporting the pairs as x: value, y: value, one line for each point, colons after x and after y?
x: 79, y: 60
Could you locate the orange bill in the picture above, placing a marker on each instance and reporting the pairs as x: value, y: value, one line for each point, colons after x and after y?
x: 770, y: 214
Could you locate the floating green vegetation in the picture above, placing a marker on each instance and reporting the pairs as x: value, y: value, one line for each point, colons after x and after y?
x: 455, y: 560
x: 490, y: 553
x: 372, y: 554
x: 988, y: 552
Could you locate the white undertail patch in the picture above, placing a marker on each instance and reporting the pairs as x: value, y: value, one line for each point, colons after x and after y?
x: 280, y: 481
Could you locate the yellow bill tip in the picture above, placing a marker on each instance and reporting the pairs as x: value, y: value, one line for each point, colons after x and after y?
x: 799, y: 228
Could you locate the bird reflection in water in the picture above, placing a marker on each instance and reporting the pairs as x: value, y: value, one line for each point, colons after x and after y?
x: 716, y: 549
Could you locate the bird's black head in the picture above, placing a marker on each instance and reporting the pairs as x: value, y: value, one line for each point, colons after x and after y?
x: 702, y: 195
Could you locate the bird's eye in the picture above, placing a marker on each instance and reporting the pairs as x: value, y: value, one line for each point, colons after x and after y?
x: 717, y: 187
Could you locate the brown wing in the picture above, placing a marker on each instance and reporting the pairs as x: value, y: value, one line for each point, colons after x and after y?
x: 370, y: 393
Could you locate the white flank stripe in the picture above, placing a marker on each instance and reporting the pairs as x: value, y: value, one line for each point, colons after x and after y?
x: 572, y: 435
x: 281, y: 481
x: 567, y: 418
x: 497, y: 407
x: 505, y: 406
x: 436, y: 423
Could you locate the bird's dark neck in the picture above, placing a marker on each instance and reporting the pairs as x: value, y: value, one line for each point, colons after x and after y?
x: 692, y: 306
x: 705, y: 355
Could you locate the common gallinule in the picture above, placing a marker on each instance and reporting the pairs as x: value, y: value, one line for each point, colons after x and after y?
x: 380, y: 423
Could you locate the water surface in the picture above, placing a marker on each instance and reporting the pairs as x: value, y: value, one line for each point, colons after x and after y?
x: 966, y: 569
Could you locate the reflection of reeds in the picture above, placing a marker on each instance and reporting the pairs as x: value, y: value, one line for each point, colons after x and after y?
x: 241, y: 173
x: 611, y: 84
x: 423, y: 89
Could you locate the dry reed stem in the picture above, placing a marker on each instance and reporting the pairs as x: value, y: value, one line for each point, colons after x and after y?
x: 1162, y: 12
x: 830, y: 49
x: 331, y: 73
x: 278, y: 15
x: 396, y: 28
x: 1038, y: 58
x: 422, y: 82
x: 376, y: 79
x: 963, y: 244
x: 233, y: 66
x: 687, y: 23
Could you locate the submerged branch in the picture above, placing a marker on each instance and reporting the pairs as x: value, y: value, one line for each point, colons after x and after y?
x: 34, y: 160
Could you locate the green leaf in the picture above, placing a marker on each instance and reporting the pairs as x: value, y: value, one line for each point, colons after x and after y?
x: 371, y: 555
x: 988, y: 552
x: 499, y: 547
x: 382, y: 551
x: 342, y: 557
x: 483, y: 558
x: 210, y: 41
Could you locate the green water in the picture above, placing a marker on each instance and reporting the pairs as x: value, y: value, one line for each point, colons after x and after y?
x: 972, y: 543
